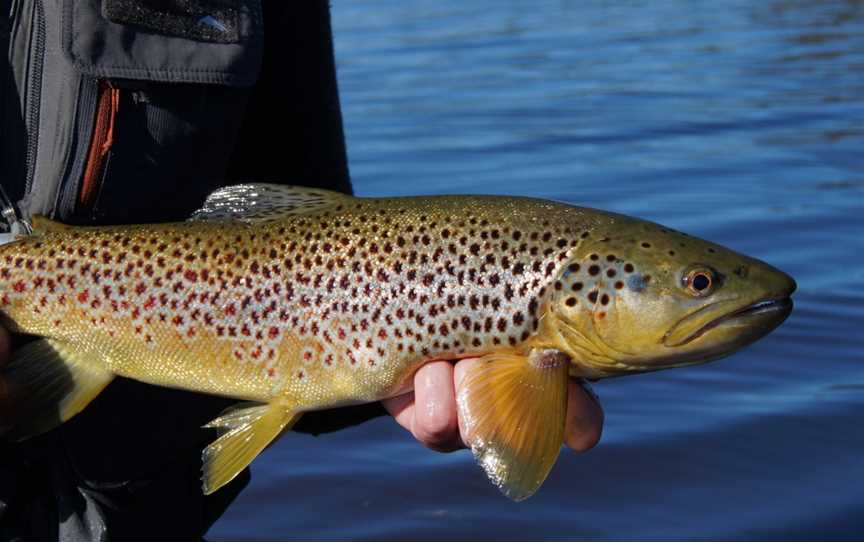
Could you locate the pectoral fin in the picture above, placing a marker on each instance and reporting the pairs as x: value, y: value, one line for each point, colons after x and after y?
x: 44, y: 384
x: 513, y: 408
x: 244, y: 431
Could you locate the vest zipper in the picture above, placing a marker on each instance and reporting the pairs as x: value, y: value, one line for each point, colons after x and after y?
x: 35, y: 66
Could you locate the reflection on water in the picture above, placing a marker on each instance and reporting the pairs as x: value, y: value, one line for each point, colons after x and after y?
x: 741, y: 122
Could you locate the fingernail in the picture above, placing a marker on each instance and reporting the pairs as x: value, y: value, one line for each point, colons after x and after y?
x: 589, y: 390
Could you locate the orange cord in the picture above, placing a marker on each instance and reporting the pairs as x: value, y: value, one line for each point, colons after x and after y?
x: 107, y: 106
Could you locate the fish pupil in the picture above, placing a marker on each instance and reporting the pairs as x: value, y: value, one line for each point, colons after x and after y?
x: 701, y: 282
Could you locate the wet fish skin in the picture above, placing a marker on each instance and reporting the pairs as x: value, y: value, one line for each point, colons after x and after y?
x: 305, y: 299
x: 191, y: 304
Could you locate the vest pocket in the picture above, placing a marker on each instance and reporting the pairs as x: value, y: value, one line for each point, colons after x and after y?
x: 160, y: 97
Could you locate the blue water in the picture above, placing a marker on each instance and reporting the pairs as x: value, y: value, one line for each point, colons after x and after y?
x: 741, y: 122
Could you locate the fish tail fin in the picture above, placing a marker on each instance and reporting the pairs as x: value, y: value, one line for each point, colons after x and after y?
x: 244, y: 431
x: 45, y: 383
x: 513, y: 407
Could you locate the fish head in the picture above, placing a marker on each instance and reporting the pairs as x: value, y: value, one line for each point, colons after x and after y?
x: 645, y: 297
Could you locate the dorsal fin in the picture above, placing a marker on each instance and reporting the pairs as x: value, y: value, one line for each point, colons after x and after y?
x: 261, y: 202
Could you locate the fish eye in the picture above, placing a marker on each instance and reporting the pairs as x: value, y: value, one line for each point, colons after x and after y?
x: 699, y: 281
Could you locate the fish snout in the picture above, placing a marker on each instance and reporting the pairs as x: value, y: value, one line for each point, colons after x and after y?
x: 775, y: 283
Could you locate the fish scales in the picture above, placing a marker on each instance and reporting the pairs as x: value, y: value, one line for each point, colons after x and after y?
x: 302, y: 299
x: 333, y: 306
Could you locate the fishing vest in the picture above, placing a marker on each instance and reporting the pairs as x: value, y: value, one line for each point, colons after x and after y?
x: 118, y: 110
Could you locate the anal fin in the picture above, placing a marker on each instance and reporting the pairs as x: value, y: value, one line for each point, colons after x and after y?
x: 244, y: 431
x: 45, y: 383
x: 513, y: 407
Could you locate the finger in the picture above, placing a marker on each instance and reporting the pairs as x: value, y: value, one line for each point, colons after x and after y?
x: 584, y: 424
x: 435, y: 421
x: 4, y: 346
x: 402, y: 409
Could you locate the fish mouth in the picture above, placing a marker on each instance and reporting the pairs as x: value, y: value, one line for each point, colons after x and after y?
x: 748, y: 323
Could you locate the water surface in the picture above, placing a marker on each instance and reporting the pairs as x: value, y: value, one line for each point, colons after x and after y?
x: 741, y: 122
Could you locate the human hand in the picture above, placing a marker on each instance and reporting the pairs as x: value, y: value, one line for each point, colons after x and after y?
x: 431, y: 415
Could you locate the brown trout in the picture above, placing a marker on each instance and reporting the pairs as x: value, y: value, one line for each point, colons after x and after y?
x: 295, y: 299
